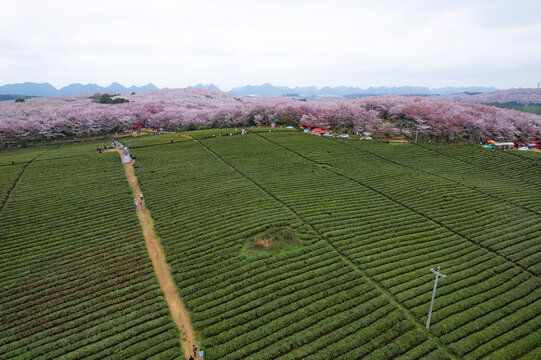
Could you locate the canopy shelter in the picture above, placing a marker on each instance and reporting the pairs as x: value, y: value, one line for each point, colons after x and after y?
x: 126, y: 157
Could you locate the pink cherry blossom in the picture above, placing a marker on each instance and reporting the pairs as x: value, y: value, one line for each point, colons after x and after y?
x: 174, y: 109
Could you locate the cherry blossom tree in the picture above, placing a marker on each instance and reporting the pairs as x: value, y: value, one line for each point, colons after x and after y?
x: 431, y: 118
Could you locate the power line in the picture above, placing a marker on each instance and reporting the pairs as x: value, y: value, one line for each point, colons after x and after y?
x: 437, y: 272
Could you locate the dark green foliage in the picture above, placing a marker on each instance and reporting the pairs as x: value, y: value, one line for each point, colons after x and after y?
x: 108, y: 99
x: 531, y: 108
x: 120, y: 100
x: 191, y: 126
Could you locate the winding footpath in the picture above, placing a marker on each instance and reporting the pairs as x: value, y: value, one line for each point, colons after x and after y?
x: 161, y: 268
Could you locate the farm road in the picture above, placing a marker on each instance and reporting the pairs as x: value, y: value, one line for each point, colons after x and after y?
x: 161, y: 268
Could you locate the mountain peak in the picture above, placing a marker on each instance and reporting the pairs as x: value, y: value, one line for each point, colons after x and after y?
x: 205, y: 86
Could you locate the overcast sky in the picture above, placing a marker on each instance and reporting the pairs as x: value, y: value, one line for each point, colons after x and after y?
x: 231, y: 43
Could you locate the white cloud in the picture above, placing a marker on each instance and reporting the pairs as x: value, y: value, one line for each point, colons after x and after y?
x: 232, y: 43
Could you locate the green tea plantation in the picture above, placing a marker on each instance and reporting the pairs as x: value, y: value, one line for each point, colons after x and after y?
x: 282, y: 245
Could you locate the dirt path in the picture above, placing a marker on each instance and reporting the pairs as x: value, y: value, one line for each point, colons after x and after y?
x: 161, y: 268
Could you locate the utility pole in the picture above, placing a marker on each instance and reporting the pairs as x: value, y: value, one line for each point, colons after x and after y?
x: 437, y: 272
x: 416, y: 131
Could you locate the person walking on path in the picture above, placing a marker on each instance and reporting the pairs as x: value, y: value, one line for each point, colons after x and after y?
x: 141, y: 196
x: 141, y: 205
x: 194, y: 350
x: 135, y: 201
x: 191, y: 358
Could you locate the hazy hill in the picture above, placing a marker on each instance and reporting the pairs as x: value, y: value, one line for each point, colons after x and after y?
x: 14, y: 97
x: 46, y: 89
x: 264, y: 90
x: 312, y: 91
x: 29, y: 88
x: 205, y: 86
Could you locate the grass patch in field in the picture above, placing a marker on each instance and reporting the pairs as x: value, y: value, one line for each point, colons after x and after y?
x: 275, y: 240
x: 324, y: 166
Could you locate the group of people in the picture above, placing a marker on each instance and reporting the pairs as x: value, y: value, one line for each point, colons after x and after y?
x: 140, y: 201
x: 242, y: 132
x: 114, y: 144
x: 195, y: 353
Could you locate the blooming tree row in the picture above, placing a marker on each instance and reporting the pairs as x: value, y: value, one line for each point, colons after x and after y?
x: 174, y: 109
x: 520, y: 96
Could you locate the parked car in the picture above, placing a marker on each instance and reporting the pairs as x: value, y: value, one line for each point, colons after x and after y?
x: 289, y: 127
x: 343, y: 136
x: 366, y: 138
x: 523, y: 148
x: 327, y: 134
x: 534, y: 143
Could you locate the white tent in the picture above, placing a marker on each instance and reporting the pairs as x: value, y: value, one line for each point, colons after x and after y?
x: 126, y: 157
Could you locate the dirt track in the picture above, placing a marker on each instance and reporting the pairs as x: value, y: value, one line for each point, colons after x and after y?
x: 161, y: 268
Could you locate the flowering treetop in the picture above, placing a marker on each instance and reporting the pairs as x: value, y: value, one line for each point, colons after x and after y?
x: 174, y: 109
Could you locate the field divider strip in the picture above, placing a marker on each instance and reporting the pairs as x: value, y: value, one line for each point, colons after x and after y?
x: 392, y: 299
x: 407, y: 207
x: 512, y: 153
x: 17, y: 180
x: 438, y: 176
x: 178, y: 311
x: 474, y: 164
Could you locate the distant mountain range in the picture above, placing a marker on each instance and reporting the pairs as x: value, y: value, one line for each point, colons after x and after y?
x: 348, y: 91
x: 14, y: 97
x: 46, y: 89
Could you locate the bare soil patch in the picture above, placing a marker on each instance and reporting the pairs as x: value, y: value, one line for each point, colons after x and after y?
x: 264, y: 243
